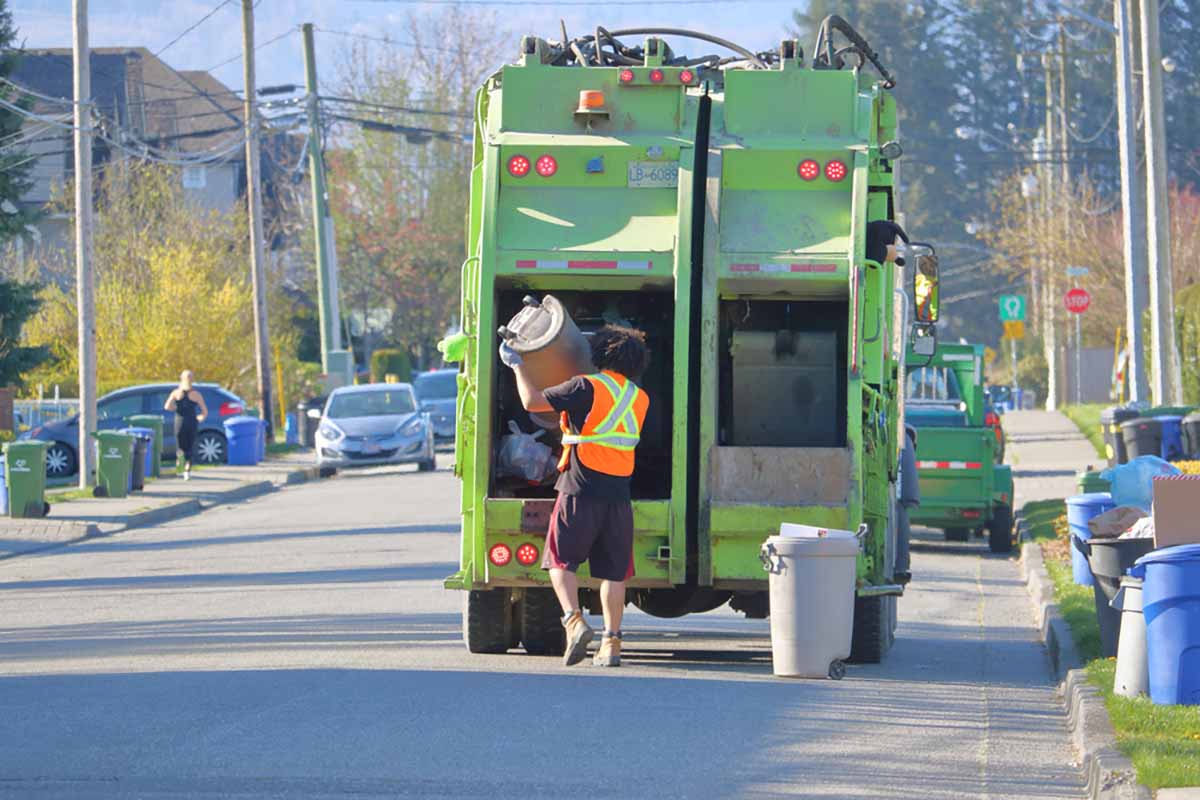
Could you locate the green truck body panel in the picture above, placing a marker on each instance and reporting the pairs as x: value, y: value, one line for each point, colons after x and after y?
x: 774, y: 275
x: 961, y: 485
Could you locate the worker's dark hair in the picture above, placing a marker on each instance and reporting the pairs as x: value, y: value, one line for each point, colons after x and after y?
x: 622, y: 350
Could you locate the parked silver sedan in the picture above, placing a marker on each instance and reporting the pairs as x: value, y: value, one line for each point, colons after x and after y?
x: 377, y: 423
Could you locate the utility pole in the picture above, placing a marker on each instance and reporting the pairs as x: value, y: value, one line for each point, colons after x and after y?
x: 254, y: 204
x: 1133, y: 204
x: 1167, y: 387
x: 334, y: 360
x: 85, y: 283
x: 1049, y: 197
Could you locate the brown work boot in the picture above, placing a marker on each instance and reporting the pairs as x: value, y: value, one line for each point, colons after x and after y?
x: 609, y: 654
x: 579, y: 634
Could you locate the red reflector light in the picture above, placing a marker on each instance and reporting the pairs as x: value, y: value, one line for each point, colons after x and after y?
x: 527, y: 554
x: 992, y: 418
x: 546, y: 166
x: 626, y: 76
x: 518, y: 166
x: 972, y: 514
x: 835, y: 171
x: 656, y: 76
x: 809, y: 170
x: 687, y: 76
x: 500, y: 554
x: 229, y: 409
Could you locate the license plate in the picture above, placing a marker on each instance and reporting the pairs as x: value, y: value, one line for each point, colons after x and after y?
x: 653, y: 175
x: 371, y: 448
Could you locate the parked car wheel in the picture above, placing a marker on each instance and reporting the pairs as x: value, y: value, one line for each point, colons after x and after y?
x: 210, y: 448
x: 427, y: 466
x: 61, y: 461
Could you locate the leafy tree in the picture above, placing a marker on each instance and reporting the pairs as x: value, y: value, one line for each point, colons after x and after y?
x: 14, y: 164
x: 172, y: 290
x: 18, y: 302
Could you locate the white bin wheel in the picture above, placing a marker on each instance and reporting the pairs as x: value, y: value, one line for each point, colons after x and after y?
x: 837, y: 669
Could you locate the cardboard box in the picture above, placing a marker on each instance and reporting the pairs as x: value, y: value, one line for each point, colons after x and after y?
x: 1176, y: 510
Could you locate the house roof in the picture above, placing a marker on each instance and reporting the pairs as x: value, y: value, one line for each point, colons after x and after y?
x: 143, y: 94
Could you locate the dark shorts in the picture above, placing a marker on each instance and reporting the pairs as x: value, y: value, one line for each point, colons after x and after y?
x: 595, y: 531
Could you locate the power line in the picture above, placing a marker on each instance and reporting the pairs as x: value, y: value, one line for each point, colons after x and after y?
x: 388, y: 40
x: 233, y: 58
x: 386, y: 107
x: 192, y: 27
x: 575, y: 2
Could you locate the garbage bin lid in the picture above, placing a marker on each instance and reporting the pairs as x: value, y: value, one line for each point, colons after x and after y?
x: 1168, y: 418
x: 1170, y: 555
x: 813, y: 546
x: 1089, y: 499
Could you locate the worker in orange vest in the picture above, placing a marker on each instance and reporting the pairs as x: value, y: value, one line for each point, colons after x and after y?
x: 601, y: 416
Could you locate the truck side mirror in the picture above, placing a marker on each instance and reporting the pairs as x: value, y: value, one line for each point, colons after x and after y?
x: 925, y: 288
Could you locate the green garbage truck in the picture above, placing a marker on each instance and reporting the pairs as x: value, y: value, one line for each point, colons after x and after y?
x: 963, y: 489
x: 721, y: 206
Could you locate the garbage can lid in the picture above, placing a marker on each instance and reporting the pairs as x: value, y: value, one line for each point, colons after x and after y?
x: 1170, y: 555
x: 832, y: 545
x: 1090, y: 499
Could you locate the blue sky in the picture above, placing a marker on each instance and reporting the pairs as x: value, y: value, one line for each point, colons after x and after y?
x: 758, y: 24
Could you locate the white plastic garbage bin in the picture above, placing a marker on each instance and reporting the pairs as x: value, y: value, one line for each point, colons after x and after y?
x: 812, y: 577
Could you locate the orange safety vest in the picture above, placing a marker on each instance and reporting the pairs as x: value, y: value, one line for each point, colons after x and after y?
x: 612, y: 428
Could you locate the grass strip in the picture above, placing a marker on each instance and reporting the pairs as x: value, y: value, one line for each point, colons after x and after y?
x: 1087, y: 418
x: 1163, y: 742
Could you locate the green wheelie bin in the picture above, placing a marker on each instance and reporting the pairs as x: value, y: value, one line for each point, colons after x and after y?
x: 114, y: 460
x: 25, y: 468
x: 155, y: 423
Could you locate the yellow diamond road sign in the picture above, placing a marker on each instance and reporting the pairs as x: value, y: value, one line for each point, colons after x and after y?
x: 1014, y: 329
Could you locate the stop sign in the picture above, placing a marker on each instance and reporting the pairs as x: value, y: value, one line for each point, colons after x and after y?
x: 1077, y: 300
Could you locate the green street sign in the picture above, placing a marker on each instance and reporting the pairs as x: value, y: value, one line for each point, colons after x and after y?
x: 1012, y: 308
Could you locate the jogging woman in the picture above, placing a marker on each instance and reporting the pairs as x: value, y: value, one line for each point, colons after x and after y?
x: 190, y: 411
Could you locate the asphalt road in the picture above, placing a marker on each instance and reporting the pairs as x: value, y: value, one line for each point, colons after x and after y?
x: 300, y: 645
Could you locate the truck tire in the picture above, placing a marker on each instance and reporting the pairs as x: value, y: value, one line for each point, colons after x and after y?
x: 487, y: 620
x: 1000, y: 530
x: 872, y: 630
x: 542, y: 632
x: 958, y: 534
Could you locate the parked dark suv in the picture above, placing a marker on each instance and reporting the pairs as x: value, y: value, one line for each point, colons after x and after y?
x: 114, y: 408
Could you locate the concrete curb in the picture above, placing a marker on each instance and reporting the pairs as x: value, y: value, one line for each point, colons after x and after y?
x: 72, y: 532
x: 1110, y: 775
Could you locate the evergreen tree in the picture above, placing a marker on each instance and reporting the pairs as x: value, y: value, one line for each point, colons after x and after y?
x: 14, y: 164
x: 18, y: 302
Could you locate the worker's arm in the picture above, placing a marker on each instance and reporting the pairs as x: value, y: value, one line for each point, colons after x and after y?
x: 532, y: 397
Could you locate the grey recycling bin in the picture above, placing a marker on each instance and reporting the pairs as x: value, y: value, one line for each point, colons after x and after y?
x: 1132, y: 677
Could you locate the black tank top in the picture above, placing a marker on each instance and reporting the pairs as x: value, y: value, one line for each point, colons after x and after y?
x: 186, y: 409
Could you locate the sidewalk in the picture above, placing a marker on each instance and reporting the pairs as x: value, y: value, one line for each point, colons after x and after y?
x: 167, y: 498
x: 1046, y: 452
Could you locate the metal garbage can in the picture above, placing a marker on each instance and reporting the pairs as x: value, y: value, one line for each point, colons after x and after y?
x: 154, y: 423
x: 1131, y: 679
x: 812, y: 574
x: 1109, y: 560
x: 143, y: 453
x: 1191, y: 435
x: 1143, y: 437
x: 1110, y: 425
x: 241, y: 437
x: 114, y: 460
x: 25, y: 476
x: 308, y: 413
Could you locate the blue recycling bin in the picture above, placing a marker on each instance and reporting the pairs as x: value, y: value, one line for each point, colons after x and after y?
x: 241, y: 438
x: 1172, y: 438
x: 3, y: 490
x: 1171, y: 605
x: 291, y: 431
x: 146, y: 434
x: 1080, y: 509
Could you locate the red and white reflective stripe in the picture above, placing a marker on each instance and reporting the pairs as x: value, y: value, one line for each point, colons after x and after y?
x: 783, y: 267
x: 543, y: 264
x: 949, y: 465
